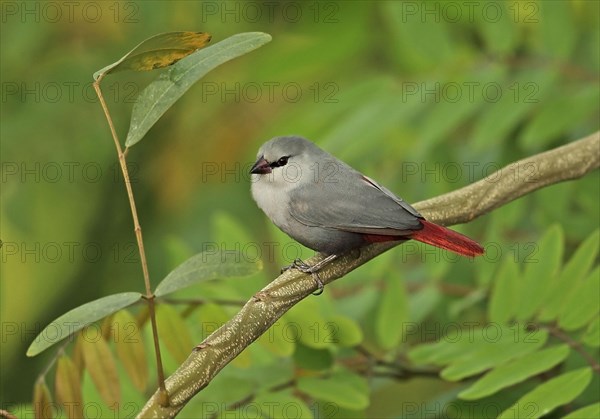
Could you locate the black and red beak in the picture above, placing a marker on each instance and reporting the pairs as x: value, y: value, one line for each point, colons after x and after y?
x: 261, y: 167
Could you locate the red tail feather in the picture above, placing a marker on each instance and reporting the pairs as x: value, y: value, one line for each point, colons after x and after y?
x: 445, y: 238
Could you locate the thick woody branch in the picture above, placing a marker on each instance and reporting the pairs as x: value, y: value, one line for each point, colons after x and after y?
x: 568, y: 162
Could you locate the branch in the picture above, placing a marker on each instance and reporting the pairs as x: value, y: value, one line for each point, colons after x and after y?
x: 571, y: 161
x: 554, y: 330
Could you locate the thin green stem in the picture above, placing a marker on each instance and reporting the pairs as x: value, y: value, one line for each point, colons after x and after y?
x: 149, y: 297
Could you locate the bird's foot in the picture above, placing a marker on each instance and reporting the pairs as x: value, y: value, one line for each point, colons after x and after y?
x: 313, y: 270
x: 307, y: 269
x: 320, y: 285
x: 298, y: 264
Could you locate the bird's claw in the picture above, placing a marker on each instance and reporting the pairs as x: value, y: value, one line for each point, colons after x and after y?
x: 307, y: 269
x: 296, y: 264
x: 303, y: 266
x: 320, y: 285
x: 300, y: 265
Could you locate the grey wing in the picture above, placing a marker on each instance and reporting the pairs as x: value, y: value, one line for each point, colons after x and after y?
x: 356, y: 204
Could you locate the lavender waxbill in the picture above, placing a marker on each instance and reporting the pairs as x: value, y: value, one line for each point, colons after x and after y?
x: 327, y: 206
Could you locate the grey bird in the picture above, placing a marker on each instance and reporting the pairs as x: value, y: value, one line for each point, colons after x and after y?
x: 329, y: 207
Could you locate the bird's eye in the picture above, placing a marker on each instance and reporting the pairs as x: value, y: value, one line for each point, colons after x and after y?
x: 281, y: 162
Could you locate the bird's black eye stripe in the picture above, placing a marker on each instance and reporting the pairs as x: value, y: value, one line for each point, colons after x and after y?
x: 281, y: 162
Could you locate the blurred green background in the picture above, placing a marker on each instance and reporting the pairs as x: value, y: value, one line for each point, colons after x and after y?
x: 425, y: 97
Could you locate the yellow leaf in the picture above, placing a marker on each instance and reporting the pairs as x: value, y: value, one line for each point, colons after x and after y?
x: 130, y: 347
x: 67, y: 387
x: 78, y: 356
x: 101, y: 366
x: 173, y: 332
x: 42, y: 401
x: 158, y: 51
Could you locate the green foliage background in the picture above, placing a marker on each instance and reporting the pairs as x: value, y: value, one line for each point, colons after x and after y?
x: 407, y: 92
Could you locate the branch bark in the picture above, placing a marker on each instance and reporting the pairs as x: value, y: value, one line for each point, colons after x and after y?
x: 568, y: 162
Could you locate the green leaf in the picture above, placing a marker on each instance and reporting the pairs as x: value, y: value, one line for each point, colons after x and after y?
x: 575, y: 269
x: 556, y: 44
x: 173, y: 332
x: 346, y: 332
x: 454, y: 103
x: 206, y: 266
x: 591, y: 411
x: 491, y: 353
x: 583, y: 304
x: 276, y: 341
x: 307, y: 324
x: 515, y: 371
x: 471, y: 300
x: 538, y: 274
x: 272, y: 405
x: 223, y: 390
x: 460, y: 344
x: 499, y: 118
x: 432, y: 50
x: 501, y: 36
x: 392, y: 313
x: 312, y: 359
x: 447, y: 116
x: 348, y: 391
x: 264, y: 377
x: 158, y: 51
x: 524, y: 93
x: 505, y: 292
x: 592, y: 334
x: 549, y: 395
x: 162, y: 93
x: 386, y: 105
x: 559, y: 113
x: 76, y: 319
x: 423, y: 302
